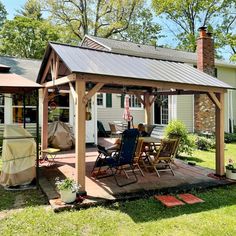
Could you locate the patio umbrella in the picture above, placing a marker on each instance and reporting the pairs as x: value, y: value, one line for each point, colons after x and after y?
x: 127, y: 116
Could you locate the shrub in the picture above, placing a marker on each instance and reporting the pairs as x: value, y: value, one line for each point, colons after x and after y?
x: 229, y: 138
x: 204, y: 143
x: 177, y: 128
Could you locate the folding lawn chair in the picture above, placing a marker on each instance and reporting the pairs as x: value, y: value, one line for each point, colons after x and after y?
x: 123, y: 159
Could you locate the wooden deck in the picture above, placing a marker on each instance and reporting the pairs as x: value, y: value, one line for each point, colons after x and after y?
x: 102, y: 190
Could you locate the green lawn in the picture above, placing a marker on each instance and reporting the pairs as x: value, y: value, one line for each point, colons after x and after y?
x: 141, y: 217
x: 216, y: 216
x: 207, y: 158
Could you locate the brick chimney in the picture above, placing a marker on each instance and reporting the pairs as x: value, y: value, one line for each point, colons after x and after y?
x: 204, y: 109
x: 205, y: 52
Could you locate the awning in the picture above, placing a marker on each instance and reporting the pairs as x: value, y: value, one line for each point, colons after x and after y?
x: 13, y: 83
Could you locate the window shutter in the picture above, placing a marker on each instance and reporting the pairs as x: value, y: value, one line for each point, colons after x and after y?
x: 108, y: 100
x: 122, y: 100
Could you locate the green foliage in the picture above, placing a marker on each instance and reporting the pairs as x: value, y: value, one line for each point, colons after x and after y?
x: 66, y: 184
x: 3, y: 14
x: 188, y: 16
x: 99, y: 18
x: 142, y: 28
x: 178, y: 129
x: 26, y: 37
x: 204, y: 143
x: 229, y: 138
x: 31, y: 9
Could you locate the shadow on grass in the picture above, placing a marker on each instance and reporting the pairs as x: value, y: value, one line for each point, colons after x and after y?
x: 188, y: 158
x: 145, y: 210
x: 21, y: 199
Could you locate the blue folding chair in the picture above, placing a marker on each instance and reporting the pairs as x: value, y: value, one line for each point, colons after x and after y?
x: 124, y: 157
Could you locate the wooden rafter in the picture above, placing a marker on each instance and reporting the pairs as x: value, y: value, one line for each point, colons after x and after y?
x: 91, y: 92
x: 47, y: 68
x: 214, y: 99
x: 60, y: 81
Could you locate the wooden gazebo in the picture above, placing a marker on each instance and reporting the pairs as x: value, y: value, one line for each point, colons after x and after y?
x: 88, y: 71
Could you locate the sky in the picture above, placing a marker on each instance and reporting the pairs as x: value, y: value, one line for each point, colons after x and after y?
x: 12, y: 5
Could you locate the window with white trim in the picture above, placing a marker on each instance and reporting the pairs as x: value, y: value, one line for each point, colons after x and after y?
x: 101, y: 99
x: 134, y: 102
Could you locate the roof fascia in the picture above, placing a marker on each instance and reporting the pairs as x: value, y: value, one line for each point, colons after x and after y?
x: 96, y: 41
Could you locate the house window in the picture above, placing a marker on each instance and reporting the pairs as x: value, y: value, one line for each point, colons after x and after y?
x: 59, y: 108
x: 101, y: 99
x: 134, y: 102
x: 30, y: 108
x: 161, y: 115
x: 1, y: 109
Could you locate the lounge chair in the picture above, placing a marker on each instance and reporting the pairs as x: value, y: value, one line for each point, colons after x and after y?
x: 119, y: 161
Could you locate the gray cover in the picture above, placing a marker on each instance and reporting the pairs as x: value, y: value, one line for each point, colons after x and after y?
x: 60, y: 136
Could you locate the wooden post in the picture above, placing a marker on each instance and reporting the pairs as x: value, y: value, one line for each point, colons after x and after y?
x: 80, y: 110
x: 44, y: 131
x: 219, y: 130
x: 147, y: 109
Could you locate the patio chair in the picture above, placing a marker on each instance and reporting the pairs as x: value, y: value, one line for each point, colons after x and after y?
x: 137, y: 157
x: 121, y: 160
x: 164, y: 156
x: 114, y: 132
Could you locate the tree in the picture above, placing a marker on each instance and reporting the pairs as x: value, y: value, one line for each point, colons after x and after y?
x: 95, y: 17
x: 3, y: 14
x: 142, y: 28
x: 31, y: 9
x: 189, y: 15
x: 26, y: 37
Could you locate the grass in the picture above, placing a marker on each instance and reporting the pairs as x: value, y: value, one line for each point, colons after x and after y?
x: 216, y: 216
x: 141, y: 217
x: 207, y: 158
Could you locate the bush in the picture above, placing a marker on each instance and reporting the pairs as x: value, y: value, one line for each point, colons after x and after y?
x: 229, y: 138
x: 177, y: 129
x: 204, y: 143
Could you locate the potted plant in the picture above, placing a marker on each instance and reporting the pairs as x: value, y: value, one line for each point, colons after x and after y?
x: 231, y: 170
x: 67, y: 188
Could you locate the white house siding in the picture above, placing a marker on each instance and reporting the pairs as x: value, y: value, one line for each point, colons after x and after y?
x: 115, y: 113
x: 185, y: 110
x: 228, y: 75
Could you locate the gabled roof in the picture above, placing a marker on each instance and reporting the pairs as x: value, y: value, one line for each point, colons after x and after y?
x: 149, y: 51
x: 89, y: 61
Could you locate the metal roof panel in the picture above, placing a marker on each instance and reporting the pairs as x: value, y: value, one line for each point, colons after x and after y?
x: 84, y: 60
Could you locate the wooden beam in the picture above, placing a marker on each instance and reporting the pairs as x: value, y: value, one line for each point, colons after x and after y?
x: 91, y: 92
x: 80, y: 134
x: 214, y: 99
x: 219, y: 130
x: 49, y: 62
x: 44, y: 130
x: 63, y: 80
x: 148, y: 83
x: 180, y: 92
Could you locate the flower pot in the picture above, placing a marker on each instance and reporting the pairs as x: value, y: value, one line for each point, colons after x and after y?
x: 231, y: 174
x: 68, y: 196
